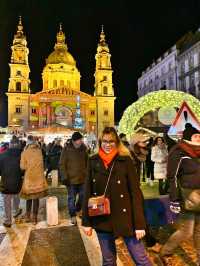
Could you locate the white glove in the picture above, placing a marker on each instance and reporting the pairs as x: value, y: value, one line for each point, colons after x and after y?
x: 139, y: 234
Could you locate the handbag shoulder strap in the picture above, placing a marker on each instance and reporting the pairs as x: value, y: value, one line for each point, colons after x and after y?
x: 109, y: 178
x: 178, y: 167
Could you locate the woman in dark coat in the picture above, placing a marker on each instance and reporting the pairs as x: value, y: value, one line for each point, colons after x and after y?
x: 127, y: 216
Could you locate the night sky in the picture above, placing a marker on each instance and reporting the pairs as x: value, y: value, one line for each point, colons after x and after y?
x: 136, y: 31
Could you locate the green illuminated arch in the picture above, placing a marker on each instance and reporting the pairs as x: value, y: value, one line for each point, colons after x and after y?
x: 152, y: 101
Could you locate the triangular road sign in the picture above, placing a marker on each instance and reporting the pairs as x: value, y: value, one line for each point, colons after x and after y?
x: 184, y: 115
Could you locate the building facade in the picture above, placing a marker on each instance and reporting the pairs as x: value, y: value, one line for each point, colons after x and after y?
x: 189, y: 66
x: 178, y: 68
x: 61, y: 101
x: 161, y: 74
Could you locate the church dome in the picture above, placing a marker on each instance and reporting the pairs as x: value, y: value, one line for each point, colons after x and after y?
x: 61, y: 56
x: 60, y: 53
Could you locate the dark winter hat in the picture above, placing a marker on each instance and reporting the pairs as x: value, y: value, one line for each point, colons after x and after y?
x: 76, y: 136
x: 189, y: 131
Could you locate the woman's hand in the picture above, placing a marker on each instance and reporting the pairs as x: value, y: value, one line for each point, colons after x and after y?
x: 139, y: 234
x: 87, y: 230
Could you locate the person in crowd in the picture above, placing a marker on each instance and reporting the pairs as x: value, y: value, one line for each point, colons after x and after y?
x: 150, y: 163
x: 34, y: 185
x: 54, y: 154
x: 126, y: 201
x: 43, y: 148
x: 11, y: 180
x: 73, y: 168
x: 183, y: 161
x: 159, y: 155
x: 139, y: 152
x: 47, y: 158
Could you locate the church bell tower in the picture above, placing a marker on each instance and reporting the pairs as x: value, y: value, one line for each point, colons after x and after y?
x: 19, y: 82
x: 104, y: 91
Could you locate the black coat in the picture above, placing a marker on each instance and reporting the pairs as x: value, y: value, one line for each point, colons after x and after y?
x: 54, y: 157
x: 188, y: 174
x: 124, y: 193
x: 11, y: 174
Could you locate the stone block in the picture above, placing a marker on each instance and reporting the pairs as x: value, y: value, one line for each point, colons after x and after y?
x: 52, y: 210
x: 54, y: 176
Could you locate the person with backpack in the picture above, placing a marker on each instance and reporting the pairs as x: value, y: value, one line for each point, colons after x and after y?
x: 183, y: 173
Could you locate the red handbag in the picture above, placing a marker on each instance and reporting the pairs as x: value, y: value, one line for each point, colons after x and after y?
x: 100, y: 205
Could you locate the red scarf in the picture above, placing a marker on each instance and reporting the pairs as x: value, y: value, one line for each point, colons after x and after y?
x: 193, y: 151
x: 107, y: 157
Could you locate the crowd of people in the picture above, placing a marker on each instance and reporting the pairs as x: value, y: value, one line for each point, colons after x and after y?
x: 111, y: 179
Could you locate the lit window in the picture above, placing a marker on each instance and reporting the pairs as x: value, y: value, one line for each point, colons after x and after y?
x: 18, y: 109
x: 33, y: 110
x: 106, y: 112
x: 18, y: 86
x: 92, y: 112
x: 105, y: 90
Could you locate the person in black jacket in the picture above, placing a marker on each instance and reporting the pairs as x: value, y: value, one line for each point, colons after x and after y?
x: 126, y: 219
x: 54, y: 156
x: 184, y: 162
x: 11, y: 180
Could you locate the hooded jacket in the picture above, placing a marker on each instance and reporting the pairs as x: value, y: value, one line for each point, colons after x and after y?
x: 34, y: 184
x: 189, y: 170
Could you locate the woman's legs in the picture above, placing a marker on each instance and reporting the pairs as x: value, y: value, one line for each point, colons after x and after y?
x: 28, y: 210
x: 108, y: 249
x: 29, y: 203
x: 137, y: 251
x: 35, y: 206
x: 35, y: 210
x: 28, y: 206
x: 185, y: 231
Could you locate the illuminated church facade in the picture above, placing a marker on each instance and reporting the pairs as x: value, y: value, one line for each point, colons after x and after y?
x: 60, y: 102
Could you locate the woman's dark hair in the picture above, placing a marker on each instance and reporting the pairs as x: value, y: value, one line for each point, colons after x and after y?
x: 112, y: 131
x: 156, y: 140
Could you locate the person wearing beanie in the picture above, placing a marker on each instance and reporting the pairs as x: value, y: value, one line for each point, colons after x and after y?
x: 184, y: 159
x: 76, y: 136
x: 11, y: 180
x: 189, y: 131
x: 73, y: 170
